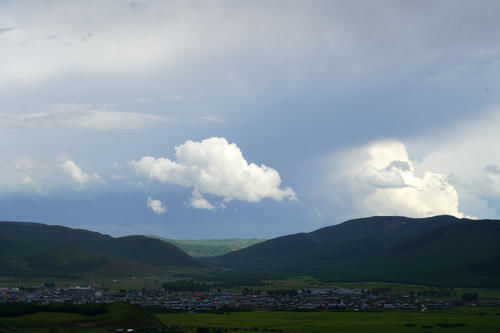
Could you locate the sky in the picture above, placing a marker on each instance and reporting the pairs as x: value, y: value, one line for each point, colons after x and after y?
x: 219, y: 119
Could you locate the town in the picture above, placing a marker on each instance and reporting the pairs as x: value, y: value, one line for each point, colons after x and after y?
x: 308, y: 299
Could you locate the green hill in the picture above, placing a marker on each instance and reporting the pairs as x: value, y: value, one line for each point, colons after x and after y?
x: 441, y: 250
x: 33, y: 249
x: 211, y: 247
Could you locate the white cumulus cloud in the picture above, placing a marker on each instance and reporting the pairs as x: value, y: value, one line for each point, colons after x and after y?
x: 214, y: 166
x: 199, y: 202
x: 156, y: 206
x: 381, y: 180
x: 77, y: 174
x: 469, y: 152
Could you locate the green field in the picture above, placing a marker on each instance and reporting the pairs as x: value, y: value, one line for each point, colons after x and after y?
x: 117, y: 315
x: 211, y: 247
x: 52, y: 329
x: 46, y: 322
x: 465, y: 320
x: 391, y: 287
x: 120, y: 315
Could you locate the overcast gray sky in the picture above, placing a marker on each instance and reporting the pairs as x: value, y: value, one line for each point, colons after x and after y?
x: 211, y: 119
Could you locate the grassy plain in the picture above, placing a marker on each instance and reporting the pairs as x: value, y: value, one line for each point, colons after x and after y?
x: 391, y: 287
x: 211, y: 247
x: 459, y: 320
x: 465, y: 320
x: 311, y: 282
x: 46, y: 322
x: 54, y: 330
x: 118, y: 315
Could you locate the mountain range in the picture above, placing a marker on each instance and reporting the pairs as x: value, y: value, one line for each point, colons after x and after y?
x: 440, y: 250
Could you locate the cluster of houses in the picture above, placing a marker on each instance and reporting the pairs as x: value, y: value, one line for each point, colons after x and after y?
x: 334, y: 299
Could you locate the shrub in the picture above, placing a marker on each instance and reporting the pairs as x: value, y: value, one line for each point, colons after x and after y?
x: 17, y: 309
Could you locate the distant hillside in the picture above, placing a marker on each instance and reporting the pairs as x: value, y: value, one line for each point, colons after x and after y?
x: 211, y: 247
x: 441, y: 250
x: 34, y: 249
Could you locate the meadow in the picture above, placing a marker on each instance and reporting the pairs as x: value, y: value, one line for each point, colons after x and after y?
x: 116, y: 316
x: 460, y: 320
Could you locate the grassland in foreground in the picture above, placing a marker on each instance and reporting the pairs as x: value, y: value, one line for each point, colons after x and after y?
x: 460, y: 320
x: 117, y: 316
